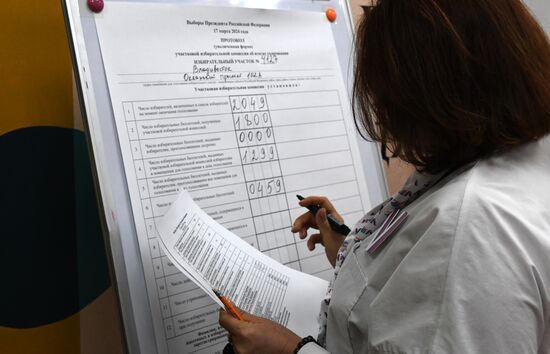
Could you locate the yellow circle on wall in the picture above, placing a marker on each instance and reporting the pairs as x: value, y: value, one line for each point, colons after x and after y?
x: 35, y: 66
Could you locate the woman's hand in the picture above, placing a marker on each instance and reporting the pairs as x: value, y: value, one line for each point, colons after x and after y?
x: 258, y: 335
x: 330, y: 239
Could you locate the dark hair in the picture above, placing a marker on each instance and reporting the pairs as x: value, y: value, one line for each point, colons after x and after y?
x: 445, y: 82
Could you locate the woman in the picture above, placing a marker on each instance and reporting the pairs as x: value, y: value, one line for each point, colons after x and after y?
x: 460, y: 89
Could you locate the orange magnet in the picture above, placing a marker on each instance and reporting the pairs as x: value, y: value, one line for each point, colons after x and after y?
x: 331, y: 14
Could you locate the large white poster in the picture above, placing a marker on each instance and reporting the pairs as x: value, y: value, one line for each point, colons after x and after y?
x: 243, y: 108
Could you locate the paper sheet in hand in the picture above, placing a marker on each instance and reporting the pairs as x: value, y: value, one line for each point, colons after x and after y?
x: 214, y: 257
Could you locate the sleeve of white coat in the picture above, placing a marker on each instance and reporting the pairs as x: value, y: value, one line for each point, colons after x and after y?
x: 312, y: 348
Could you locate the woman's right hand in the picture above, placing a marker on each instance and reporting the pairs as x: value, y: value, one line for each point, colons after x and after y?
x: 330, y: 239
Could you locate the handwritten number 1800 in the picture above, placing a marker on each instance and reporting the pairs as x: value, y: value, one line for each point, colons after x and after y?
x: 251, y: 120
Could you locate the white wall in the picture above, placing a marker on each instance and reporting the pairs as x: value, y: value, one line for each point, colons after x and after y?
x: 541, y: 9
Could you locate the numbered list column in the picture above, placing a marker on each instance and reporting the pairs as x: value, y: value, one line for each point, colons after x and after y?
x: 147, y: 208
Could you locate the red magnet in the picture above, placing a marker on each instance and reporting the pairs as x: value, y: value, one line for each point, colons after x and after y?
x: 331, y: 14
x: 96, y: 5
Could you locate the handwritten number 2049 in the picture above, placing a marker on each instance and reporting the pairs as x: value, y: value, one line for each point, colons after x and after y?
x: 248, y: 103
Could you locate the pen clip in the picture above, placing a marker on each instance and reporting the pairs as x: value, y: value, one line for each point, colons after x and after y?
x: 389, y: 228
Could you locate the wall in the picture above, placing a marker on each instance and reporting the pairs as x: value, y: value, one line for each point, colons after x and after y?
x: 541, y: 10
x: 56, y: 293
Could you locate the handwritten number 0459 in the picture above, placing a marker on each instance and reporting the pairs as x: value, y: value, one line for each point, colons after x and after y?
x: 265, y: 187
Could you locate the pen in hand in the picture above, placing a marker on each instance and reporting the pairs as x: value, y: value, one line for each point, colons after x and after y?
x: 232, y: 310
x: 229, y: 307
x: 335, y: 225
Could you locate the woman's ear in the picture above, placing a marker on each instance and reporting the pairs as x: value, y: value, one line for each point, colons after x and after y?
x: 384, y: 153
x: 370, y: 4
x: 366, y: 9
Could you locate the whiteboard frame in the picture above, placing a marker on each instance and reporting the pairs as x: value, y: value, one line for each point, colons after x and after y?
x: 113, y: 196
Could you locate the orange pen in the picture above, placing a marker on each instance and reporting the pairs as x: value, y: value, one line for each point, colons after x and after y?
x: 229, y: 307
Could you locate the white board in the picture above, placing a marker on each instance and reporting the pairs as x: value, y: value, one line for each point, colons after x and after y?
x: 112, y: 100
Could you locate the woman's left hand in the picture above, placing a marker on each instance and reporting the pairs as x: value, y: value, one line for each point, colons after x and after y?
x: 258, y: 335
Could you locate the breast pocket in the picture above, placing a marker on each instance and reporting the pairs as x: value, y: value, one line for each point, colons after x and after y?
x: 348, y: 289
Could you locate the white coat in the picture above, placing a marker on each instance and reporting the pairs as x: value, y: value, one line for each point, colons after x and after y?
x: 468, y: 273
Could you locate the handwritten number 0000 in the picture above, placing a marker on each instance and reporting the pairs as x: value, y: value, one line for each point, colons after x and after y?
x: 255, y: 135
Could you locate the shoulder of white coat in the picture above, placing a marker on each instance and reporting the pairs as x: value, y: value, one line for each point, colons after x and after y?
x: 503, y: 226
x: 508, y: 195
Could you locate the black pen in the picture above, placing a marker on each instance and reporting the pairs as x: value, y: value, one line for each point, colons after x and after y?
x: 335, y: 225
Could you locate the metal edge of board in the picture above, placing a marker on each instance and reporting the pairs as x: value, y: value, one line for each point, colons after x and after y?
x: 111, y: 234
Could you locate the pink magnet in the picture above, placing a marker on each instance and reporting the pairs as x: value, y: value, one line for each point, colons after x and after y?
x: 96, y: 5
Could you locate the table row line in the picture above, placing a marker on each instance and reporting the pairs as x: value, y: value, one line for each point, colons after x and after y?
x: 232, y: 181
x: 205, y: 106
x: 253, y: 216
x: 181, y: 126
x: 215, y: 141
